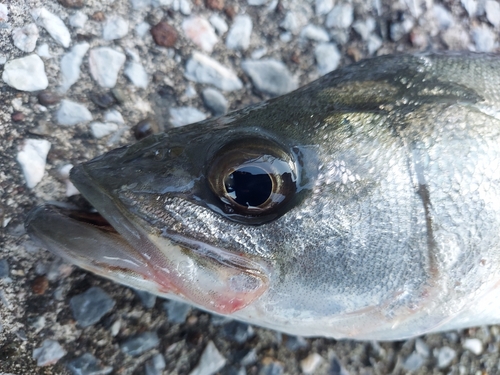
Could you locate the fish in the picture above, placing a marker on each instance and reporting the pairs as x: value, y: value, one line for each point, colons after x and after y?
x: 364, y: 205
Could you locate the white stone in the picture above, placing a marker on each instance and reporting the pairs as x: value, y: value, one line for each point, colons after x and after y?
x: 290, y: 22
x: 49, y: 353
x: 492, y: 8
x: 113, y: 115
x: 185, y: 7
x: 25, y: 37
x: 78, y: 20
x: 257, y: 2
x: 32, y: 157
x: 484, y: 38
x: 102, y: 129
x: 211, y: 361
x: 4, y: 13
x: 105, y: 64
x: 203, y: 69
x: 71, y: 113
x: 445, y: 356
x: 64, y: 173
x: 115, y: 27
x: 200, y: 32
x: 270, y: 76
x: 180, y: 116
x: 43, y: 51
x: 311, y: 363
x: 364, y: 28
x: 53, y: 24
x: 136, y: 73
x: 374, y: 43
x: 26, y: 74
x: 327, y: 57
x: 323, y: 7
x: 3, y: 59
x: 70, y: 65
x: 470, y: 6
x: 219, y: 24
x: 239, y: 34
x: 474, y: 345
x: 259, y: 53
x: 17, y: 104
x: 340, y: 17
x: 314, y: 32
x: 142, y: 29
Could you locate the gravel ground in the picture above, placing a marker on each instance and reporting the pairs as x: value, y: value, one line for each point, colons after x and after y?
x: 309, y: 38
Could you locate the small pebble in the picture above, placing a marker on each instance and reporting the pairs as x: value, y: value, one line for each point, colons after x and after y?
x: 200, y: 32
x: 413, y: 362
x: 136, y: 73
x: 49, y: 353
x: 273, y: 368
x: 176, y: 311
x: 26, y: 74
x: 474, y: 345
x: 144, y: 128
x: 250, y: 358
x: 210, y: 362
x: 113, y: 115
x: 105, y: 64
x: 4, y: 268
x: 374, y: 43
x: 25, y: 37
x: 4, y: 13
x: 72, y: 3
x: 89, y: 307
x: 218, y: 23
x: 238, y: 37
x: 64, y: 174
x: 295, y: 343
x: 71, y: 113
x: 148, y: 300
x: 203, y: 69
x: 40, y: 285
x: 142, y: 29
x: 445, y: 356
x: 443, y: 16
x: 327, y: 57
x: 102, y: 129
x: 53, y: 24
x: 323, y: 7
x: 70, y: 65
x: 310, y: 364
x: 270, y: 76
x: 340, y: 17
x: 47, y: 98
x: 313, y: 32
x: 484, y: 38
x: 17, y: 116
x: 43, y: 51
x: 364, y: 28
x: 87, y: 364
x: 32, y: 157
x: 215, y: 101
x: 237, y: 331
x: 98, y: 16
x: 155, y: 365
x: 139, y: 344
x: 115, y: 27
x: 102, y: 100
x: 398, y: 30
x: 215, y: 4
x: 422, y: 348
x: 164, y: 34
x: 257, y: 2
x: 78, y: 20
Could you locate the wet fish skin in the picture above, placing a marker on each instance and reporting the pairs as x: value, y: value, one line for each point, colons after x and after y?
x: 392, y: 230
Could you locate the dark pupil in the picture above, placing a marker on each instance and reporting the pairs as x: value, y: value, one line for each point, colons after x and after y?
x: 249, y: 186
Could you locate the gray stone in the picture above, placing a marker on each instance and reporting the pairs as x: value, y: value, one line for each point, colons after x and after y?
x: 115, y: 27
x: 70, y: 65
x: 177, y: 312
x: 374, y: 43
x: 443, y: 16
x: 71, y: 113
x: 102, y: 129
x: 32, y: 157
x: 445, y: 356
x: 237, y: 331
x: 155, y: 365
x: 273, y: 368
x: 89, y: 307
x: 87, y: 364
x: 78, y: 20
x: 139, y: 344
x: 210, y: 362
x: 413, y: 362
x: 148, y: 300
x: 340, y: 17
x: 105, y: 64
x: 327, y: 57
x: 364, y: 28
x: 53, y: 24
x: 238, y: 36
x: 269, y: 76
x: 25, y: 37
x: 49, y: 353
x: 215, y: 101
x: 203, y: 69
x: 26, y: 74
x: 4, y: 268
x: 257, y: 2
x: 113, y: 115
x: 314, y: 32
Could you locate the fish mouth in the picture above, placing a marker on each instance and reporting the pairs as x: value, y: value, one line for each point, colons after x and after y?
x: 120, y: 246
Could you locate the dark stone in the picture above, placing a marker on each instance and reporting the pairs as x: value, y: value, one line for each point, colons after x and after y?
x: 48, y: 98
x: 17, y: 116
x: 144, y: 128
x: 89, y: 307
x: 103, y: 100
x: 164, y: 34
x: 215, y: 4
x: 4, y: 268
x: 75, y: 4
x: 237, y: 331
x: 139, y: 344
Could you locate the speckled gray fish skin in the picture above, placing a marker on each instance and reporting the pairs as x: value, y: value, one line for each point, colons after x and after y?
x: 392, y: 232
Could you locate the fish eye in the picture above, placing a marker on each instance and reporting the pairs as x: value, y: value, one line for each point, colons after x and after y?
x: 252, y: 178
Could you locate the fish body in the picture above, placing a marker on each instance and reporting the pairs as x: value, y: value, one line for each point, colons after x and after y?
x: 363, y: 205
